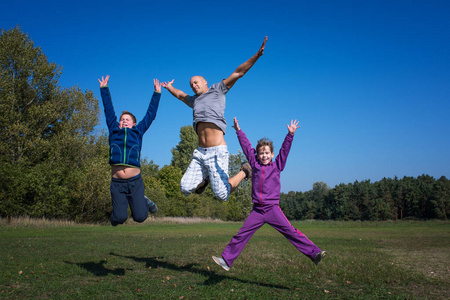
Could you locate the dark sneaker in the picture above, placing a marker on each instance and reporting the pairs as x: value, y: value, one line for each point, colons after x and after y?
x: 114, y: 223
x: 319, y: 257
x: 151, y: 205
x: 247, y: 170
x: 221, y: 262
x: 202, y: 186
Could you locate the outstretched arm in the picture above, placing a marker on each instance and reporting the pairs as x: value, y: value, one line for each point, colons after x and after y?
x: 104, y: 81
x: 111, y: 119
x: 293, y: 127
x: 281, y: 158
x: 236, y: 124
x: 246, y: 146
x: 179, y: 94
x: 242, y: 69
x: 152, y: 108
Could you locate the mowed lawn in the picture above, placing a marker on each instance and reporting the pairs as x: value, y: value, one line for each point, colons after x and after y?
x: 171, y: 259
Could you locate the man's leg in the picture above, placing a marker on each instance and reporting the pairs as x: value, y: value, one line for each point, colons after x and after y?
x: 216, y: 162
x: 244, y: 173
x: 194, y: 174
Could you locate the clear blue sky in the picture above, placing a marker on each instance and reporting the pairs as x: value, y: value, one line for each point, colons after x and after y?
x: 368, y: 80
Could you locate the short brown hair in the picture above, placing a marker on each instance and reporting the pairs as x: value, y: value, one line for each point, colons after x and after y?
x: 125, y: 112
x: 264, y: 142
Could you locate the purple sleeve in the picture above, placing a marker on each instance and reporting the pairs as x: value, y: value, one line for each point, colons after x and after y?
x: 281, y: 158
x: 246, y: 146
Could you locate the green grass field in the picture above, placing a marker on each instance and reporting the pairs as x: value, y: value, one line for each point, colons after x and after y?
x: 163, y: 259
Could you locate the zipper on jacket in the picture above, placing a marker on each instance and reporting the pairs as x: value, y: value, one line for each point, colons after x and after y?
x: 125, y: 147
x: 260, y: 192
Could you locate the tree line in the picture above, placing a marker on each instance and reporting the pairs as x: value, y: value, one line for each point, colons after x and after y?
x: 54, y: 162
x: 423, y: 197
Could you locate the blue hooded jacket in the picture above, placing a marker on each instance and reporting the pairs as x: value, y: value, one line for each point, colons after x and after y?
x: 125, y: 144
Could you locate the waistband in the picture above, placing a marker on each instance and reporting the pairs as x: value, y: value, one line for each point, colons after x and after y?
x: 126, y: 180
x: 213, y: 149
x: 263, y: 208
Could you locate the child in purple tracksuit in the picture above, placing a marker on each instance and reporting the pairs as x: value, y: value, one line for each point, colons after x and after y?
x: 266, y: 197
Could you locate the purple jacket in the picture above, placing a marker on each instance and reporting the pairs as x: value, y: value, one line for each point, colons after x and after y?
x: 266, y: 185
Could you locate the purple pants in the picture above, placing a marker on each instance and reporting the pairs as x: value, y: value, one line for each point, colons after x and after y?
x: 272, y: 215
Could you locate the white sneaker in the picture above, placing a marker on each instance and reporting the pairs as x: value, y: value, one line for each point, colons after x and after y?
x: 221, y: 262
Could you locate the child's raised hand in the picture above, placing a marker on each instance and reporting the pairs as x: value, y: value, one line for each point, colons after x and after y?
x: 157, y: 85
x: 293, y: 127
x: 104, y: 81
x: 236, y: 124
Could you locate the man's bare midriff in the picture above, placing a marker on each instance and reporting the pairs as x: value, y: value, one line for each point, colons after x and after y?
x: 209, y: 135
x: 124, y: 172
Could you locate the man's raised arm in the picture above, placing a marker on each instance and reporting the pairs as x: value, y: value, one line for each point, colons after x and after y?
x: 242, y: 69
x: 175, y: 92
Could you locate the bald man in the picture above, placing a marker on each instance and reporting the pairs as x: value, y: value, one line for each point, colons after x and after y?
x: 210, y: 160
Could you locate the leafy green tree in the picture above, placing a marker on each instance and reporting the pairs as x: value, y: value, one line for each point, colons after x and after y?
x: 89, y: 186
x: 308, y: 206
x: 155, y: 191
x: 441, y: 198
x: 291, y: 204
x: 385, y: 189
x: 240, y: 201
x: 342, y: 204
x: 169, y: 178
x: 426, y: 185
x: 149, y: 168
x: 362, y: 197
x: 47, y: 133
x: 27, y: 88
x: 319, y: 192
x: 182, y: 153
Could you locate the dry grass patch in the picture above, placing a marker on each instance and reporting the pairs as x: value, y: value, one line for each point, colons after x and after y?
x: 45, y: 223
x: 37, y: 222
x: 177, y: 220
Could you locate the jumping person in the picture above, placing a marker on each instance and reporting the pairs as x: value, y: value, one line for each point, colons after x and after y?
x: 210, y: 160
x: 125, y: 141
x: 266, y: 189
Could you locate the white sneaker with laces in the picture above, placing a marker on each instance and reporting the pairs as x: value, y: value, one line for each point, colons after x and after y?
x: 221, y: 262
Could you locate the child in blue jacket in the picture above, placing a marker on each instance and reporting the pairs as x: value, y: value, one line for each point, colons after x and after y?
x: 125, y: 141
x: 266, y: 189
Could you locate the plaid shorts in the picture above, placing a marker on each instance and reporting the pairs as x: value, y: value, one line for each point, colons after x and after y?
x: 211, y: 162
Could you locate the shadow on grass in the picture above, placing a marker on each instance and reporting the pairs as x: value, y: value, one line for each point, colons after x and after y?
x: 98, y: 269
x: 212, y: 277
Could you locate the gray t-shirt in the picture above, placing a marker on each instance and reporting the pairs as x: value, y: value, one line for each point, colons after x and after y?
x: 210, y: 106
